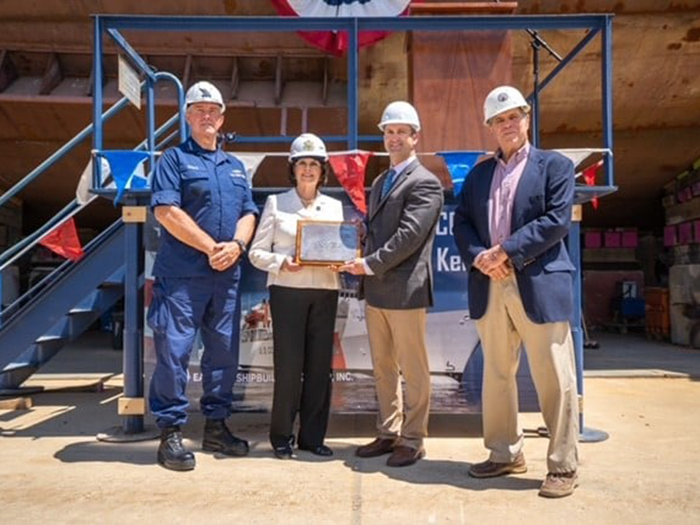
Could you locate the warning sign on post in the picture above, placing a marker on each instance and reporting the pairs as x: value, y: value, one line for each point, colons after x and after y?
x: 129, y: 83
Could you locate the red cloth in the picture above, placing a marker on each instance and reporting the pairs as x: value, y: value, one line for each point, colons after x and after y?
x: 349, y: 168
x: 330, y: 41
x: 589, y: 177
x: 64, y: 241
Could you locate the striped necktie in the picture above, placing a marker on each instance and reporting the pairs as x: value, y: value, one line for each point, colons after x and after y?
x: 388, y: 182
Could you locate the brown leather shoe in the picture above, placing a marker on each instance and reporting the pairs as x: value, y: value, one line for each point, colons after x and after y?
x: 491, y: 469
x: 403, y: 456
x: 559, y: 484
x: 378, y: 447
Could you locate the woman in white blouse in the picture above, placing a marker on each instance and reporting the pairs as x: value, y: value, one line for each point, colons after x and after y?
x: 303, y: 303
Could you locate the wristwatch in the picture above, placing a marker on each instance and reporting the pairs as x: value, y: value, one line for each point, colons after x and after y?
x: 240, y: 244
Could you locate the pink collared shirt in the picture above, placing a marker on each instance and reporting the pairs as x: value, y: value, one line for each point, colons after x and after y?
x: 504, y: 184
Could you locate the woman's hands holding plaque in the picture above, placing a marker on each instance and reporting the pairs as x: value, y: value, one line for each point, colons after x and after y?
x: 290, y: 266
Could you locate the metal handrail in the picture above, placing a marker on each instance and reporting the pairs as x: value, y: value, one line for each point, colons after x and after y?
x: 72, y: 143
x: 71, y: 209
x: 60, y: 152
x: 7, y: 314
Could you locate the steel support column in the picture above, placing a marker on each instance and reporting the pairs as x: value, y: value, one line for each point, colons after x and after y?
x: 133, y: 322
x: 607, y: 103
x: 353, y: 51
x: 97, y: 100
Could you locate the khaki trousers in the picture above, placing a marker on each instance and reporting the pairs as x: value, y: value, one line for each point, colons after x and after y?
x: 397, y: 344
x: 550, y: 352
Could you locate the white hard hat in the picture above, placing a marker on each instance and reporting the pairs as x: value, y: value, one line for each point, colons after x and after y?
x: 204, y: 92
x: 400, y: 112
x: 308, y: 145
x: 502, y: 99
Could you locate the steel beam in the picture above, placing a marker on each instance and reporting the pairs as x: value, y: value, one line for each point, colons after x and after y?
x: 131, y: 53
x: 568, y: 58
x: 275, y: 24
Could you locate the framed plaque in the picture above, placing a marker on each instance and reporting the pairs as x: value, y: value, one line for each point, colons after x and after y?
x: 327, y: 242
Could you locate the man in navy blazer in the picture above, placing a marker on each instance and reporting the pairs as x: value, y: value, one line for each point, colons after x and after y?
x: 513, y: 214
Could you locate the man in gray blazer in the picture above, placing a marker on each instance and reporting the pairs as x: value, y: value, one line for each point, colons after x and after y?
x: 404, y: 206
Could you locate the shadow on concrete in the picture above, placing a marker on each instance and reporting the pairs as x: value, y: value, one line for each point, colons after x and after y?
x: 441, y: 472
x: 439, y: 425
x: 63, y: 414
x: 142, y: 453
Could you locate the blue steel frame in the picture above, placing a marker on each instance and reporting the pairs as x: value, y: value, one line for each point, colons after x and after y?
x: 113, y: 24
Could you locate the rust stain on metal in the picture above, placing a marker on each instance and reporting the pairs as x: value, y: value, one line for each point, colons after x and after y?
x: 693, y: 35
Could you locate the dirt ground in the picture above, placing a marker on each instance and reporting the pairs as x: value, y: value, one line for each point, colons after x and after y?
x: 53, y: 469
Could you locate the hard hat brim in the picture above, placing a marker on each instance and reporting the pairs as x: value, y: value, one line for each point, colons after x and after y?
x: 525, y: 109
x: 382, y: 125
x: 221, y: 106
x: 295, y: 157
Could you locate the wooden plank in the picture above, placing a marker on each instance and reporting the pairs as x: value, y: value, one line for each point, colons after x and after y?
x: 134, y: 214
x: 450, y: 75
x: 16, y: 403
x: 131, y: 406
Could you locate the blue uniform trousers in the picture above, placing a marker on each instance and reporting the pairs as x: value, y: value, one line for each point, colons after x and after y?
x: 179, y: 308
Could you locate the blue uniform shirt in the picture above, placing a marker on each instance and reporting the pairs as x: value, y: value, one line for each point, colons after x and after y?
x: 211, y: 187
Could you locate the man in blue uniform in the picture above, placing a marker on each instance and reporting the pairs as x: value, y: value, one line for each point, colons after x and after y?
x: 203, y: 202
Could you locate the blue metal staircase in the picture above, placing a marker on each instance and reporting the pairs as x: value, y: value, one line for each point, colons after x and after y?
x: 74, y: 296
x: 66, y: 302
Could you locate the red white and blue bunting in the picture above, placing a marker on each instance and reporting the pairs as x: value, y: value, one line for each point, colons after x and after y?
x: 332, y: 41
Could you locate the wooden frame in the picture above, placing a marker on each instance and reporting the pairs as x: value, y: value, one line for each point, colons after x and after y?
x: 324, y: 243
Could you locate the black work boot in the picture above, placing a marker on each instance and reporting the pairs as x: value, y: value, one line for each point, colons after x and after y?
x: 172, y: 454
x: 218, y: 438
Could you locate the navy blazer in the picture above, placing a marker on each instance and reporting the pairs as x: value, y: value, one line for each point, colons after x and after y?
x: 540, y: 220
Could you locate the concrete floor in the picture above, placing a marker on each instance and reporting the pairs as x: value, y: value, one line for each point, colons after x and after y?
x: 646, y: 395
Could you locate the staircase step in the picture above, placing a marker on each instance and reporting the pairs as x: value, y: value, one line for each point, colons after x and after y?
x: 110, y: 284
x: 49, y: 338
x: 62, y: 312
x: 12, y: 367
x: 79, y: 311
